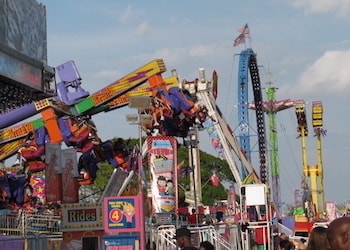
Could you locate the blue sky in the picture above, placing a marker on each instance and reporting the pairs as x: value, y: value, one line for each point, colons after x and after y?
x: 305, y: 44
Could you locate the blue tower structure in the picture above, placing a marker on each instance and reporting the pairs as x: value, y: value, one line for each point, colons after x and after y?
x: 248, y: 64
x: 243, y: 118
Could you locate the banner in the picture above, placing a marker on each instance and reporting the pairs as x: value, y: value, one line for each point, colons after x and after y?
x: 121, y: 242
x: 162, y: 157
x: 70, y: 185
x: 231, y: 202
x: 78, y: 217
x: 122, y: 214
x: 53, y: 172
x: 331, y: 210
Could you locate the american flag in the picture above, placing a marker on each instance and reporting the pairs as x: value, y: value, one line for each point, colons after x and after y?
x: 244, y: 33
x: 240, y: 39
x: 244, y: 30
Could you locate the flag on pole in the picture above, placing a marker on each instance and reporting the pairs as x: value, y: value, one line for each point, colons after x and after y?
x: 240, y: 39
x: 244, y: 30
x: 179, y: 166
x: 181, y: 171
x: 215, y: 180
x: 244, y: 33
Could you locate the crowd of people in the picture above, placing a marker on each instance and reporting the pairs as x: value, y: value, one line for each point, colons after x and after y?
x: 335, y: 237
x: 317, y: 240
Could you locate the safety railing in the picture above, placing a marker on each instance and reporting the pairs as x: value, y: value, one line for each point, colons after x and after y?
x: 210, y: 233
x: 162, y: 237
x: 23, y: 224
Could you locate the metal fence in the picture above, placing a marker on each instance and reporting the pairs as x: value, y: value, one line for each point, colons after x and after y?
x: 24, y: 224
x: 36, y: 231
x: 162, y: 237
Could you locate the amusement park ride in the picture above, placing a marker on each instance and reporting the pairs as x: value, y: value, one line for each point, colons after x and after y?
x: 312, y: 182
x: 248, y: 64
x: 49, y: 127
x: 314, y: 206
x: 175, y: 109
x: 68, y: 118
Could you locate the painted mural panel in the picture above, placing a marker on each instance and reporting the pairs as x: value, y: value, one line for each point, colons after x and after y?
x: 53, y: 172
x: 70, y: 184
x: 162, y: 156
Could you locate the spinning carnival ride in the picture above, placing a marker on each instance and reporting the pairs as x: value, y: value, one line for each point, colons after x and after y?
x: 68, y: 118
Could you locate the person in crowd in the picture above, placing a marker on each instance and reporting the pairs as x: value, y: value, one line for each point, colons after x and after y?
x: 338, y: 234
x: 286, y: 245
x: 183, y: 239
x: 278, y: 239
x: 206, y: 245
x: 193, y: 217
x: 318, y: 239
x: 283, y: 236
x: 301, y: 244
x: 219, y: 216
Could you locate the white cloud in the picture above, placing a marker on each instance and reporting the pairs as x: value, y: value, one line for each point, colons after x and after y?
x: 341, y: 7
x: 329, y: 74
x: 200, y: 50
x: 129, y: 13
x: 143, y: 29
x: 171, y: 56
x: 179, y: 20
x: 182, y: 55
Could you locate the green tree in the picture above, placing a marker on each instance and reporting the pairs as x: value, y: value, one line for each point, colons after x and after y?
x: 209, y: 165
